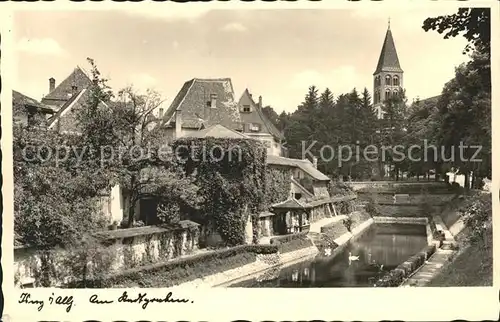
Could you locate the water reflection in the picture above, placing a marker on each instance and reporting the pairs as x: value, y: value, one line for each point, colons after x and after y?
x: 382, y: 248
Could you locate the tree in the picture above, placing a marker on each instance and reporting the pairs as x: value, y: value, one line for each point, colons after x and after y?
x: 465, y: 104
x: 128, y: 144
x: 55, y: 195
x: 271, y: 115
x: 473, y: 23
x: 302, y: 123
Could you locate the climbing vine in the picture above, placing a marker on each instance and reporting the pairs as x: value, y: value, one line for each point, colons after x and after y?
x: 277, y: 186
x: 231, y: 175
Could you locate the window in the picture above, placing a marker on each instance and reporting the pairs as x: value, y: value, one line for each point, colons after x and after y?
x: 246, y: 108
x: 377, y: 97
x: 298, y: 196
x: 395, y: 81
x: 74, y: 88
x: 387, y: 94
x: 254, y: 127
x: 388, y: 80
x: 213, y: 100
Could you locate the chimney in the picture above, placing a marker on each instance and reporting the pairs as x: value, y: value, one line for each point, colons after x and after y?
x: 52, y: 84
x: 260, y: 101
x: 315, y: 162
x: 178, y: 124
x: 213, y: 100
x: 160, y: 112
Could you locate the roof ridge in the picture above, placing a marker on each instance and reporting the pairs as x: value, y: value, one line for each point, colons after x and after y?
x: 267, y: 123
x: 212, y: 79
x: 84, y: 71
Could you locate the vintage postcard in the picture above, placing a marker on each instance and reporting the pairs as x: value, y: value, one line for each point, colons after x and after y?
x: 265, y: 161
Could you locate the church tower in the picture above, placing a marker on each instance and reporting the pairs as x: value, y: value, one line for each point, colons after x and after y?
x: 388, y: 76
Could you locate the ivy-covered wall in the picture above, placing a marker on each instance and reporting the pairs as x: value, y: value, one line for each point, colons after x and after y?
x: 231, y: 175
x: 277, y: 185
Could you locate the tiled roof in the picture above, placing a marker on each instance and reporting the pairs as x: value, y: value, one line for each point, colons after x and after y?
x: 65, y: 115
x: 305, y: 165
x: 21, y: 101
x: 192, y: 101
x: 217, y: 131
x: 301, y: 187
x: 432, y: 99
x: 291, y: 204
x: 63, y: 91
x: 257, y: 116
x: 388, y: 60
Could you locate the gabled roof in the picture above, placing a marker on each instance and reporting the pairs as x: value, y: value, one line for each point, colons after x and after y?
x: 257, y: 116
x: 76, y: 101
x: 218, y: 131
x: 302, y: 188
x: 20, y: 102
x: 77, y: 78
x: 432, y: 99
x: 291, y: 203
x: 192, y: 100
x: 305, y: 165
x: 388, y: 60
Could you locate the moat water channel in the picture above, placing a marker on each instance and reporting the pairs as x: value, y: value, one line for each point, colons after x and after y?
x: 381, y: 248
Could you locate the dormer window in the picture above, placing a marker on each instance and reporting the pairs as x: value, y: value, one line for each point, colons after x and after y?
x: 213, y: 100
x: 74, y: 88
x: 254, y: 127
x: 246, y: 108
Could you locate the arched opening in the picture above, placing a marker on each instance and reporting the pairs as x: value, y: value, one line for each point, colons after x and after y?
x: 388, y: 80
x: 387, y: 94
x: 395, y: 81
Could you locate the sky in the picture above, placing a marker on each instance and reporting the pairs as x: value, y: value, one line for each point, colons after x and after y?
x: 277, y: 54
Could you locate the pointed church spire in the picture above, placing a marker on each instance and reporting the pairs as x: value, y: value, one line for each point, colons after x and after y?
x: 388, y: 60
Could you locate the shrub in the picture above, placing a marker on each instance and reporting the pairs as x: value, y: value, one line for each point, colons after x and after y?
x: 336, y: 229
x: 288, y: 238
x: 359, y: 217
x: 294, y: 244
x: 339, y: 188
x: 396, y: 276
x: 372, y: 207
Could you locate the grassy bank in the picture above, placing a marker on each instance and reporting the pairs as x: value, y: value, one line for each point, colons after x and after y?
x: 183, y: 270
x: 471, y: 267
x: 473, y: 264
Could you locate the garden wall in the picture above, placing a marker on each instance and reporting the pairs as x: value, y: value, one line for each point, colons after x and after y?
x: 388, y: 197
x: 395, y: 185
x: 404, y: 210
x: 116, y: 250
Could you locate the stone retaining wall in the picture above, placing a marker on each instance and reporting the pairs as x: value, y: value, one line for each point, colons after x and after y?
x: 404, y: 210
x: 416, y: 198
x: 120, y: 249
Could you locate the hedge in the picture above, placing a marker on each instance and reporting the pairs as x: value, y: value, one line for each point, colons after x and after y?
x: 295, y: 244
x: 336, y: 229
x: 397, y: 276
x: 287, y: 238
